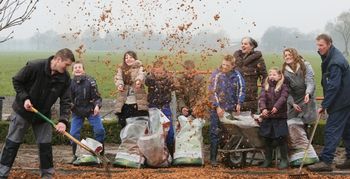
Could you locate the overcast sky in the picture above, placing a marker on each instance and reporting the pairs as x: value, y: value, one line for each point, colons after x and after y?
x: 236, y: 17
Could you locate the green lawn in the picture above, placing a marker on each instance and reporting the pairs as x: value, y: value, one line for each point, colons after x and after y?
x: 102, y: 65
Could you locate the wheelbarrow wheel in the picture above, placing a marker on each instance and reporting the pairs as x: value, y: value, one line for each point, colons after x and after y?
x: 235, y: 159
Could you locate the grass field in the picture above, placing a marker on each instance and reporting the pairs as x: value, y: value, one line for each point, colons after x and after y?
x: 102, y: 65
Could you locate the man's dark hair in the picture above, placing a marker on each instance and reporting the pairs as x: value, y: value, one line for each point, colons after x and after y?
x: 65, y: 54
x: 325, y: 37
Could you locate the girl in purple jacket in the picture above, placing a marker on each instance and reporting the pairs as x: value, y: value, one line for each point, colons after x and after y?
x: 273, y: 106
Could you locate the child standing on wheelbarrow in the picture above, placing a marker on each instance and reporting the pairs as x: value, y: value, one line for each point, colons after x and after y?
x: 273, y: 127
x: 226, y: 94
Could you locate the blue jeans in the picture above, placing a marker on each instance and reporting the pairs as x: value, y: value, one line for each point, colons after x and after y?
x: 170, y: 137
x: 337, y: 126
x: 95, y: 122
x: 214, y: 128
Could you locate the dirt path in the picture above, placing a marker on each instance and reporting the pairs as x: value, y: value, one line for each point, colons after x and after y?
x: 26, y: 166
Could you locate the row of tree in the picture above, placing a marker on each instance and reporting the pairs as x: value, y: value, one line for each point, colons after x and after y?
x: 273, y: 40
x: 51, y: 40
x: 15, y: 12
x: 276, y: 38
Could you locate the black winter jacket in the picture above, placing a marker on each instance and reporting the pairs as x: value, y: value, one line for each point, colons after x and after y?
x: 35, y: 82
x: 85, y: 95
x: 159, y: 90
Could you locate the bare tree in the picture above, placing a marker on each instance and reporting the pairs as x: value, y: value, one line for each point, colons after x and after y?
x: 341, y: 26
x: 13, y: 13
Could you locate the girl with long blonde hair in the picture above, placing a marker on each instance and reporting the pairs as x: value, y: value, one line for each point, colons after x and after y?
x: 273, y: 106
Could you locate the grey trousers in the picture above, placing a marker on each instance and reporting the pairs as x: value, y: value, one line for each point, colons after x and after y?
x: 43, y: 135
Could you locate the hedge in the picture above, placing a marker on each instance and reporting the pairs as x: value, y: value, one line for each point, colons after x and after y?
x: 113, y: 129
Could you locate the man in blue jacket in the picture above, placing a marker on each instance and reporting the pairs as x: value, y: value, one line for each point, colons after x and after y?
x: 226, y: 94
x: 336, y: 86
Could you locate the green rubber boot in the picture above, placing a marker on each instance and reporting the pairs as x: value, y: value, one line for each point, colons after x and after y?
x: 284, y: 156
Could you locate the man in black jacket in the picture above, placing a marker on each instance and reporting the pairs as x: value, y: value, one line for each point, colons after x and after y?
x: 38, y: 84
x: 87, y: 103
x: 336, y: 86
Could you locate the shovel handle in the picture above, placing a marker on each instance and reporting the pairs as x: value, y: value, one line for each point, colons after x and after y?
x: 310, y: 141
x: 79, y: 143
x: 103, y: 158
x: 64, y: 133
x: 43, y: 117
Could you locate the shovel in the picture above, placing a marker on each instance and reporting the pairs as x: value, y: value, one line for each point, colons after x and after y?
x: 304, y: 175
x: 103, y: 158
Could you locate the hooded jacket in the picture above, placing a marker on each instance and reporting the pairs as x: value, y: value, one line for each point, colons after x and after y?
x: 159, y: 90
x: 85, y: 95
x: 252, y: 67
x: 137, y: 73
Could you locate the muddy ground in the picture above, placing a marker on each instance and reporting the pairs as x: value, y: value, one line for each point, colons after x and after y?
x: 26, y: 166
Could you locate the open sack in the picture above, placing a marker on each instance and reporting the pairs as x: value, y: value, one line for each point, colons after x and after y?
x: 298, y: 142
x: 152, y: 145
x: 128, y: 153
x: 85, y: 158
x: 189, y: 141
